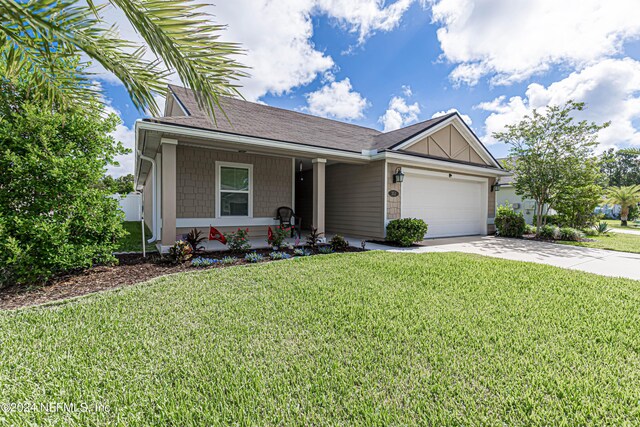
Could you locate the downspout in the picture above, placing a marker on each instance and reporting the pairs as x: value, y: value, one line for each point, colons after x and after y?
x: 153, y: 185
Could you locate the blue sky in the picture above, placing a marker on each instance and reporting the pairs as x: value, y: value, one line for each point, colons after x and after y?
x: 357, y: 61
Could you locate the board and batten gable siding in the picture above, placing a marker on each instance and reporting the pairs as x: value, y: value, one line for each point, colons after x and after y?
x: 196, y: 189
x: 447, y: 143
x: 354, y: 200
x: 394, y: 203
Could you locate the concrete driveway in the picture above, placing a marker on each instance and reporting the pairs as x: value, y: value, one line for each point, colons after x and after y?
x: 598, y: 261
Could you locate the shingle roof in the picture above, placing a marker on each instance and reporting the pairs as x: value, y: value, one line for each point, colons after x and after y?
x: 288, y: 126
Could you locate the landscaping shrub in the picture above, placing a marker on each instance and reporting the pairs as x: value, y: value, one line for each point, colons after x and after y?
x: 551, y: 220
x: 509, y: 223
x: 603, y: 228
x: 253, y: 257
x: 279, y: 255
x: 406, y: 231
x: 570, y: 234
x: 195, y: 238
x: 325, y: 250
x: 313, y: 238
x: 228, y: 260
x: 238, y: 241
x: 551, y: 232
x: 530, y: 229
x: 278, y: 235
x: 55, y: 215
x: 301, y: 252
x: 590, y: 232
x: 180, y: 252
x: 338, y: 243
x: 203, y: 262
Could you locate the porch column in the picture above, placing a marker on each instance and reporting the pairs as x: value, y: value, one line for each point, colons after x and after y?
x: 168, y: 187
x: 318, y: 194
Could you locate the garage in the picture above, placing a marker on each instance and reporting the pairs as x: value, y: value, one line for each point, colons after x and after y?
x: 452, y: 205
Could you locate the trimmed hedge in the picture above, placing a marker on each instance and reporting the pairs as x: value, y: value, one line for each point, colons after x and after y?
x: 406, y: 231
x: 510, y: 223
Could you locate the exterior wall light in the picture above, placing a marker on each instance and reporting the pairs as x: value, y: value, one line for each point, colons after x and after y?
x: 398, y: 176
x: 496, y: 186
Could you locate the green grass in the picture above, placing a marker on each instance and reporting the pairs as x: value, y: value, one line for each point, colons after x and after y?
x: 345, y: 339
x: 133, y: 241
x: 615, y: 223
x: 612, y: 241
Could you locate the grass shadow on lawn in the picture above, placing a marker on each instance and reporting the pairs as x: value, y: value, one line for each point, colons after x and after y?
x: 362, y: 338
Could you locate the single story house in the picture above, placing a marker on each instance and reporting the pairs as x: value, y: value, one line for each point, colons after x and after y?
x: 237, y: 169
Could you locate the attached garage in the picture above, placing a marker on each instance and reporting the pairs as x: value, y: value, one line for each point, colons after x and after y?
x: 451, y: 204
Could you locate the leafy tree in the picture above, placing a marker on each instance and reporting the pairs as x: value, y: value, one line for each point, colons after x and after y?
x: 47, y: 36
x: 621, y: 167
x: 121, y: 185
x: 548, y: 153
x: 626, y: 197
x: 576, y: 201
x: 54, y: 214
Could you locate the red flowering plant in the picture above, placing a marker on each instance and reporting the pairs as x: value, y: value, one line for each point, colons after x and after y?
x: 275, y: 237
x: 238, y: 241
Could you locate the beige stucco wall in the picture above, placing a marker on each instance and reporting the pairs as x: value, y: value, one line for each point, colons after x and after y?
x: 355, y: 199
x: 394, y: 203
x: 196, y: 171
x: 447, y: 143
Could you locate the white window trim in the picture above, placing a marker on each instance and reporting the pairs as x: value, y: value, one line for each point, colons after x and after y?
x: 217, y: 197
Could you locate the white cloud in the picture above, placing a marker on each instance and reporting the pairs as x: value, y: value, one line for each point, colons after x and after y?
x: 337, y: 100
x: 513, y: 40
x: 128, y: 137
x: 610, y: 88
x: 399, y: 114
x: 277, y: 36
x: 466, y: 118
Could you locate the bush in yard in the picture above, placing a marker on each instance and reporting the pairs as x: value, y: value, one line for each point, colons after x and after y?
x: 180, y: 252
x: 278, y: 235
x: 509, y: 223
x: 238, y: 241
x: 195, y: 238
x: 530, y: 229
x: 338, y: 243
x: 571, y: 234
x: 55, y: 214
x: 603, y: 228
x: 549, y: 231
x: 253, y: 257
x: 313, y: 238
x: 406, y: 231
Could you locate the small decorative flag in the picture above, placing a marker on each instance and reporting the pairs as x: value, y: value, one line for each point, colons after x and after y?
x: 216, y: 235
x: 269, y: 235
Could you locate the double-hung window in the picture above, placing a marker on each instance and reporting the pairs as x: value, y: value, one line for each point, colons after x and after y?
x: 234, y: 189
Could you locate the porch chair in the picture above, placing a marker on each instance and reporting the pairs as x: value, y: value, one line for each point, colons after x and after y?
x: 288, y: 218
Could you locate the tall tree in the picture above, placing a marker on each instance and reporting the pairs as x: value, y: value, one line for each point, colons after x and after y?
x: 621, y: 167
x: 626, y: 197
x: 548, y: 153
x: 47, y: 36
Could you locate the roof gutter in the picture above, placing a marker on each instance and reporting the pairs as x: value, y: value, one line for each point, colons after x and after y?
x: 154, y: 202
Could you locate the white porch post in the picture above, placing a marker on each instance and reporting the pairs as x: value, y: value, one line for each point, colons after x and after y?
x: 168, y: 200
x: 318, y: 193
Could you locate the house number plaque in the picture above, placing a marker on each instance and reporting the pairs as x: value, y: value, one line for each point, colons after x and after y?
x: 394, y: 193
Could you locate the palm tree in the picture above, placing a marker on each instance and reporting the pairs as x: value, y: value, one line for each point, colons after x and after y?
x: 40, y: 35
x: 625, y: 197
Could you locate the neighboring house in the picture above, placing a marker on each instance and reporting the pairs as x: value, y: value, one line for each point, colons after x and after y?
x: 507, y: 194
x: 237, y: 170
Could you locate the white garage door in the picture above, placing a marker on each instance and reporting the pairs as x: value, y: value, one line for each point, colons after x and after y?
x: 450, y: 206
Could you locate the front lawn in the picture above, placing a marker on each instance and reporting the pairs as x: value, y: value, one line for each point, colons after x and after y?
x: 132, y: 242
x: 613, y: 241
x: 615, y: 223
x: 346, y: 339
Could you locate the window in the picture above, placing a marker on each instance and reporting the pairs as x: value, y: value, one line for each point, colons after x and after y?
x: 234, y: 189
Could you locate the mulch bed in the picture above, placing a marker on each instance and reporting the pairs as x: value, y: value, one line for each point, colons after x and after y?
x: 131, y: 269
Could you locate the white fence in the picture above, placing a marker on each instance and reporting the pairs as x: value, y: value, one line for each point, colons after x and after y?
x: 130, y: 205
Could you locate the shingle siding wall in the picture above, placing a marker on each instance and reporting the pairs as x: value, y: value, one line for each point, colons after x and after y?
x: 196, y: 171
x: 354, y: 201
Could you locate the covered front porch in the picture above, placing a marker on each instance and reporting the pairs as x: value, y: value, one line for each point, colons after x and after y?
x: 199, y: 184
